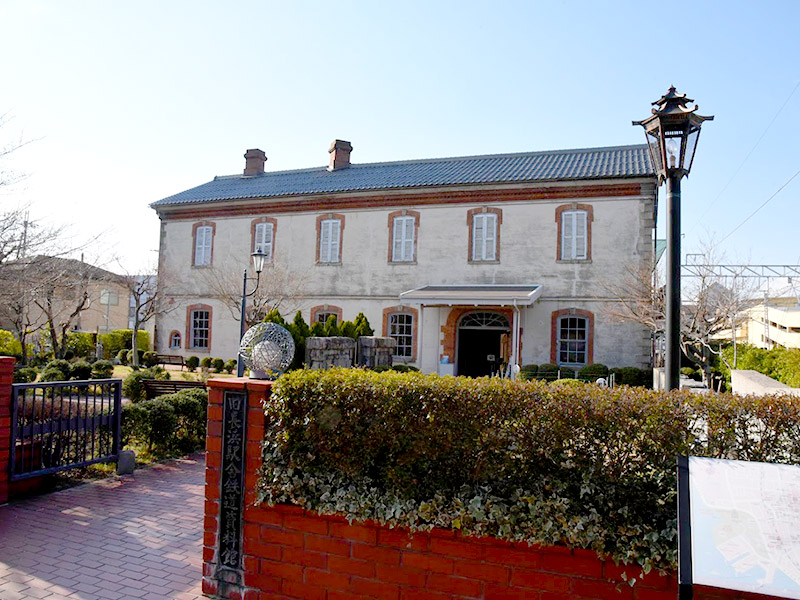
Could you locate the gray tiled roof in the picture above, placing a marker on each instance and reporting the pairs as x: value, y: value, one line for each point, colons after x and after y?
x: 557, y: 165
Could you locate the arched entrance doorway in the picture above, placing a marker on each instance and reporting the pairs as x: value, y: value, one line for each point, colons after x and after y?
x: 481, y: 336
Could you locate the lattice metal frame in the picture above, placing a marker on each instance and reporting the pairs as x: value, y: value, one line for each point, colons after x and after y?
x: 484, y: 320
x: 267, y: 348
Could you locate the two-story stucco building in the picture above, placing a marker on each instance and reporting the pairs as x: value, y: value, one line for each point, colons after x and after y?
x: 467, y: 262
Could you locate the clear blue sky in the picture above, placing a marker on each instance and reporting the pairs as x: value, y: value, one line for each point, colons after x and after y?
x: 130, y: 102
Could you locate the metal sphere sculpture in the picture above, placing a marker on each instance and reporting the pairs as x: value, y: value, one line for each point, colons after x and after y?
x: 267, y: 349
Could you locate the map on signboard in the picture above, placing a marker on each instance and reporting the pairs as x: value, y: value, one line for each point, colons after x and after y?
x: 745, y: 520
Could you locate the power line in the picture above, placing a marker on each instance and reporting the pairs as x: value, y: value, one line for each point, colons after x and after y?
x: 763, y: 204
x: 739, y: 168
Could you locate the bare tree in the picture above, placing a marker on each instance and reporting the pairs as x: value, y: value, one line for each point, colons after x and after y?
x: 146, y: 304
x: 278, y: 288
x: 711, y: 306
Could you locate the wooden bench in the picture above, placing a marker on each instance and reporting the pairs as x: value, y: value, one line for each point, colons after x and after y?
x: 159, y: 387
x: 170, y: 359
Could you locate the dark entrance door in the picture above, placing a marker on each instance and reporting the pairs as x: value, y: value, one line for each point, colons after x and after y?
x: 479, y: 343
x: 478, y: 351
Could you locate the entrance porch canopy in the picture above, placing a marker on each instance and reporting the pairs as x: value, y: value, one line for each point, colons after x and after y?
x: 474, y: 295
x: 484, y: 295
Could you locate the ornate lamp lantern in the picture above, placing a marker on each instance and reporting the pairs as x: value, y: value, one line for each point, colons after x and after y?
x: 259, y: 258
x: 672, y: 133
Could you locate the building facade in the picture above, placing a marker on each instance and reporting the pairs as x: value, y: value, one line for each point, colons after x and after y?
x: 469, y: 263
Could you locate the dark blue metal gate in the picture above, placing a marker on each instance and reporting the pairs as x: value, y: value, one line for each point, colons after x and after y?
x: 64, y: 424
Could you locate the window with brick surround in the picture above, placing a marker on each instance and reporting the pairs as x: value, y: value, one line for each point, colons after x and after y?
x: 174, y: 340
x: 330, y: 240
x: 403, y: 230
x: 484, y: 234
x: 574, y: 232
x: 400, y: 324
x: 199, y: 326
x: 263, y: 237
x: 572, y: 337
x: 203, y: 234
x: 401, y: 330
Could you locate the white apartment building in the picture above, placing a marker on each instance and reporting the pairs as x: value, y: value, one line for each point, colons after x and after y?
x: 468, y: 262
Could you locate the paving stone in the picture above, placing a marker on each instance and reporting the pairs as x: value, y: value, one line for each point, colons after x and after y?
x: 120, y: 538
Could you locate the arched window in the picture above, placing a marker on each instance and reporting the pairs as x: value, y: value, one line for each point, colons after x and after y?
x: 174, y: 340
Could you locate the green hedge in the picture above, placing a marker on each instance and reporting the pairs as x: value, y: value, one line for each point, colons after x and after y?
x: 574, y: 464
x: 168, y: 424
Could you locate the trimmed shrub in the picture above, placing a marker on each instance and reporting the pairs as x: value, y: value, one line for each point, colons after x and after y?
x: 25, y: 375
x: 60, y: 365
x: 120, y: 339
x: 218, y: 364
x: 129, y: 357
x: 122, y: 357
x: 80, y: 370
x: 162, y: 422
x: 80, y: 345
x: 9, y: 345
x: 190, y: 408
x: 230, y: 365
x: 528, y: 372
x: 192, y: 362
x: 149, y: 358
x: 593, y: 372
x: 52, y: 374
x: 547, y: 372
x: 567, y: 463
x: 102, y: 369
x: 132, y: 386
x: 567, y: 373
x: 633, y: 376
x: 405, y: 369
x: 167, y: 424
x: 206, y: 362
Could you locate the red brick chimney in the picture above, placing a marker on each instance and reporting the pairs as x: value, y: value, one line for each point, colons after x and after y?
x: 255, y: 160
x: 340, y: 155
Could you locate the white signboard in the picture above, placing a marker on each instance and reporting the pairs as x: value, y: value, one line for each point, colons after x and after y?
x: 745, y: 526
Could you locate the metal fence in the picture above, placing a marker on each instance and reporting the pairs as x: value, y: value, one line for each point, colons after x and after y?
x: 64, y: 424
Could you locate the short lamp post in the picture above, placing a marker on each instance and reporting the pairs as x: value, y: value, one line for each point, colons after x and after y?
x: 259, y: 258
x: 672, y: 133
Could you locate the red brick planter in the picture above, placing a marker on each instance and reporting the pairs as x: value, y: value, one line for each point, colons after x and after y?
x: 287, y: 552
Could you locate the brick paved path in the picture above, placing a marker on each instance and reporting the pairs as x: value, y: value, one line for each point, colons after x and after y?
x: 138, y: 537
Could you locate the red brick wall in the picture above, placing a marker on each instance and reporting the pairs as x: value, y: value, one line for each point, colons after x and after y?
x: 290, y: 553
x: 6, y: 379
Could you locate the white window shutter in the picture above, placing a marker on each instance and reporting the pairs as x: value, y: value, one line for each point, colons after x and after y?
x: 397, y: 239
x: 325, y: 242
x: 408, y: 239
x: 580, y: 235
x: 491, y: 237
x: 567, y: 234
x: 202, y: 246
x: 477, y: 237
x: 335, y: 234
x: 265, y: 239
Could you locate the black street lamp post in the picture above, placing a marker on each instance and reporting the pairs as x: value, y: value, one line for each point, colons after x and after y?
x: 258, y: 264
x: 672, y: 133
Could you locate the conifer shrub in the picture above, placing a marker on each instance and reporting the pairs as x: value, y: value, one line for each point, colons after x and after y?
x: 192, y: 362
x: 218, y: 365
x: 565, y: 463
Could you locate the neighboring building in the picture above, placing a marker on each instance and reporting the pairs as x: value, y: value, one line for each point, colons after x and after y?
x: 59, y: 284
x: 471, y: 261
x: 775, y: 321
x: 34, y: 282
